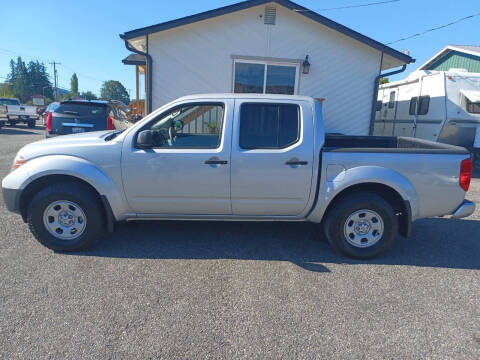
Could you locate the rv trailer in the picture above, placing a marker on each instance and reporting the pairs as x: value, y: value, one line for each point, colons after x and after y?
x: 441, y: 106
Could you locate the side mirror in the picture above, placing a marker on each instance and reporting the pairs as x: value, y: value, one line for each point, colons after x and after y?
x: 178, y: 125
x: 145, y: 139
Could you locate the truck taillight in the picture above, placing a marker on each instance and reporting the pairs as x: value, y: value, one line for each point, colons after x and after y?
x: 6, y: 109
x: 110, y: 123
x: 48, y: 123
x: 38, y: 110
x: 465, y: 174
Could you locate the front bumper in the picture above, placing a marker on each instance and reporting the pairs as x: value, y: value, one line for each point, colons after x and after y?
x: 11, y: 197
x: 465, y: 209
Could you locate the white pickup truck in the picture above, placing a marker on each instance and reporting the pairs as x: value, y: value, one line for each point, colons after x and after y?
x: 237, y: 157
x: 16, y: 113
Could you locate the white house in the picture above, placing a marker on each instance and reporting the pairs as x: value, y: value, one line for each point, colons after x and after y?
x: 260, y: 46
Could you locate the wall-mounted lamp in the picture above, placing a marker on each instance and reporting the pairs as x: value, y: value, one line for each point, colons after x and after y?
x: 305, y: 66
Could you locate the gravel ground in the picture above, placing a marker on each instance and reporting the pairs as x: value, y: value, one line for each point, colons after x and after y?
x: 237, y: 290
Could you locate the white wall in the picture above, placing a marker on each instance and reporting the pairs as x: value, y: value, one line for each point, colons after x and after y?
x: 196, y: 58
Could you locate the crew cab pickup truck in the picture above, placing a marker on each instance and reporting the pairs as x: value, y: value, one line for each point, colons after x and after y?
x: 19, y: 113
x: 237, y: 157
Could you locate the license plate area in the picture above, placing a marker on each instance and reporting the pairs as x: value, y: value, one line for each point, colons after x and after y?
x: 76, y: 130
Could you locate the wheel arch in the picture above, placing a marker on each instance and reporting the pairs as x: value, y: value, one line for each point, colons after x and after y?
x: 41, y: 182
x: 401, y: 206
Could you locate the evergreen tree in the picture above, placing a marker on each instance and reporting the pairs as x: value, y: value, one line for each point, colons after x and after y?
x: 74, y: 86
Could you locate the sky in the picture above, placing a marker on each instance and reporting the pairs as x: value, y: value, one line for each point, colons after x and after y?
x: 83, y: 35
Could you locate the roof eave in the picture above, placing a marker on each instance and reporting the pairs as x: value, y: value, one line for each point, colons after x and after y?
x: 286, y: 3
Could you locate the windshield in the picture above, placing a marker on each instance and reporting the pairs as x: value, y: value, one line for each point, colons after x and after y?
x: 79, y: 109
x: 5, y: 101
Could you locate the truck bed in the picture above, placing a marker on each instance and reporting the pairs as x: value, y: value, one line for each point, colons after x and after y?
x: 390, y: 144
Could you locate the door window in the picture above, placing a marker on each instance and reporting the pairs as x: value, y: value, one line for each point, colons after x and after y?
x: 269, y: 126
x: 265, y: 78
x: 423, y: 105
x: 189, y: 126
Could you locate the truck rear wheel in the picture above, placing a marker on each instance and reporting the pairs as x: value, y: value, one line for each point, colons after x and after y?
x: 31, y: 123
x: 361, y: 225
x: 66, y: 217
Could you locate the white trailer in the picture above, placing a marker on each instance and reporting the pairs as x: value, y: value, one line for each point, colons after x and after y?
x: 441, y: 106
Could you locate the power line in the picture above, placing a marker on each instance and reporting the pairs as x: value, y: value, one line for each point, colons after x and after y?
x: 435, y: 28
x: 352, y: 6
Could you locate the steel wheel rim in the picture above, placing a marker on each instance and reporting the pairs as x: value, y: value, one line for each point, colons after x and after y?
x: 65, y: 220
x: 363, y: 228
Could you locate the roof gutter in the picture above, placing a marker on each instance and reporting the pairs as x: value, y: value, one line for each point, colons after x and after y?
x: 149, y: 69
x: 375, y: 92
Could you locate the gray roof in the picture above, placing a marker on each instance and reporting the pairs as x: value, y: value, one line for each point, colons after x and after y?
x: 471, y: 48
x: 251, y: 3
x: 134, y: 59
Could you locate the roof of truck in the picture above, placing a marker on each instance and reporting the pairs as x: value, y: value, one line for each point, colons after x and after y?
x: 246, y: 96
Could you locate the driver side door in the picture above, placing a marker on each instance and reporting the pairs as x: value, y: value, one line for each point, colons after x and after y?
x: 187, y: 171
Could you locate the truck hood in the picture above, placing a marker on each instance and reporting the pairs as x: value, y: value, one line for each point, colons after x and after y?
x: 75, y: 145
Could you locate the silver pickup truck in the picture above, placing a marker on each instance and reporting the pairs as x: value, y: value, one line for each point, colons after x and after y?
x: 237, y: 157
x: 16, y: 112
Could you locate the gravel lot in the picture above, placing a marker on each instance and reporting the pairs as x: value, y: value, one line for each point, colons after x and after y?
x: 237, y: 290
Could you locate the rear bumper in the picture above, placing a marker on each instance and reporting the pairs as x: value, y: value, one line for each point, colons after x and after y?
x: 465, y: 209
x: 11, y: 197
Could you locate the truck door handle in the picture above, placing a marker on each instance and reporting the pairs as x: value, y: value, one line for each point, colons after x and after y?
x: 216, y: 162
x: 296, y: 162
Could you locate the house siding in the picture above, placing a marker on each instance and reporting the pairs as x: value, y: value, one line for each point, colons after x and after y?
x: 456, y: 59
x: 197, y: 58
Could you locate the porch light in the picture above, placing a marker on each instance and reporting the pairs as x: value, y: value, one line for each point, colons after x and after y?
x: 305, y: 66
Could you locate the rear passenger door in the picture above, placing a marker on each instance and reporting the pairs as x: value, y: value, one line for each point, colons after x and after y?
x: 272, y: 155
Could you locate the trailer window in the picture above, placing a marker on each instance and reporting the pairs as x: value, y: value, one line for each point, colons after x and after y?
x: 473, y: 108
x: 391, y: 102
x: 378, y: 106
x: 413, y: 106
x: 423, y: 105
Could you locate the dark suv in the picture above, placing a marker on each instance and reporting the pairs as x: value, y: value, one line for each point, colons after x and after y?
x: 78, y: 116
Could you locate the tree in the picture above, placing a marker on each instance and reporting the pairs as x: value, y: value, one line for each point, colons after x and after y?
x: 114, y: 90
x: 384, y: 81
x: 25, y: 81
x: 74, y: 85
x: 88, y: 95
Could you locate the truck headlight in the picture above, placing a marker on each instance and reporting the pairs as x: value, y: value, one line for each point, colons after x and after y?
x: 19, y: 161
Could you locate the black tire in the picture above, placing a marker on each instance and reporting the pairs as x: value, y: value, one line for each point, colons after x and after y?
x: 72, y: 192
x: 336, y: 223
x: 31, y: 123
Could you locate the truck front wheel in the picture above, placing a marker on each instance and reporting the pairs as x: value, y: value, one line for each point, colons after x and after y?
x: 66, y: 216
x: 361, y: 225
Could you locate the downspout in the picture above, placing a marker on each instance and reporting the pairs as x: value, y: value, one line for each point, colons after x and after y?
x: 149, y: 70
x: 375, y: 92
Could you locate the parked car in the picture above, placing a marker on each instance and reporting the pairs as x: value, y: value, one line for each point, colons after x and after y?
x: 237, y: 157
x: 3, y: 114
x: 17, y: 113
x: 78, y: 116
x: 50, y: 109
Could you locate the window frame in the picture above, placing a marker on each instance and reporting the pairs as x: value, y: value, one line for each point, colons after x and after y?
x: 266, y: 63
x: 378, y: 105
x: 299, y: 125
x: 223, y: 105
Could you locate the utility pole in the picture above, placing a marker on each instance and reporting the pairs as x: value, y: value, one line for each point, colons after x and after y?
x: 55, y: 94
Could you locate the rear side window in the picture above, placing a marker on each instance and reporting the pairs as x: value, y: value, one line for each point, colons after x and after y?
x: 82, y: 109
x: 269, y: 126
x: 473, y: 108
x: 391, y: 102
